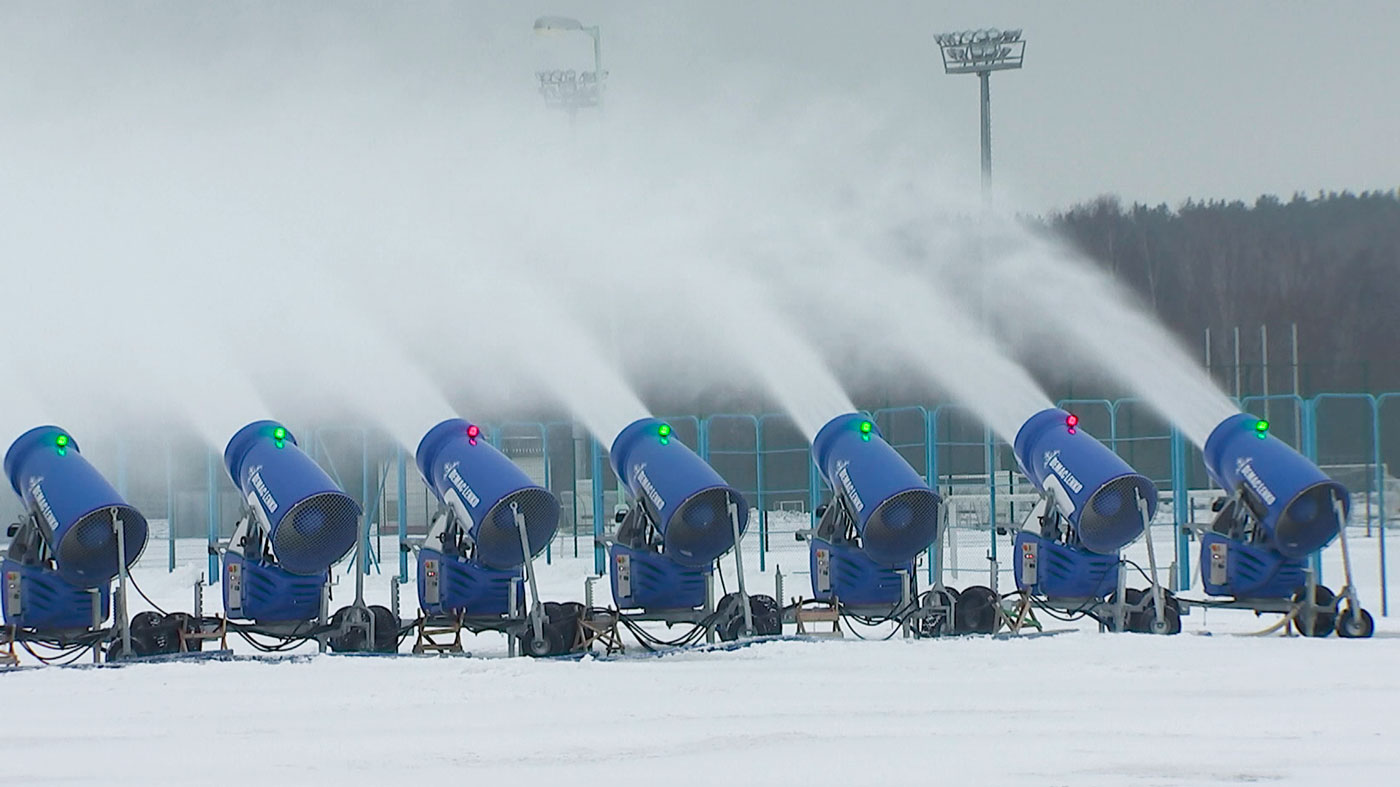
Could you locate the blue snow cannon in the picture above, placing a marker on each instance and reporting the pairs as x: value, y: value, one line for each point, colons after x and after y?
x: 297, y: 524
x: 882, y: 515
x: 683, y: 519
x: 1279, y: 511
x: 1093, y: 504
x: 493, y: 520
x: 67, y: 544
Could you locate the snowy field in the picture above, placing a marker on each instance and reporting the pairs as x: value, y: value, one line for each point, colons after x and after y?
x: 1078, y: 708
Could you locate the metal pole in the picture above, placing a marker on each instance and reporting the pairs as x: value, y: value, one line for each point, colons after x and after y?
x: 992, y: 506
x: 985, y: 77
x: 213, y: 520
x: 1297, y: 390
x: 597, y: 34
x: 596, y: 465
x: 739, y: 565
x: 1209, y: 371
x: 169, y: 508
x: 403, y: 515
x: 1264, y: 360
x: 120, y: 616
x: 1237, y: 363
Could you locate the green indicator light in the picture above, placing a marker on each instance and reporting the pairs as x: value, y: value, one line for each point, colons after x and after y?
x: 664, y: 430
x: 61, y: 441
x: 866, y: 428
x: 1261, y: 428
x: 279, y: 433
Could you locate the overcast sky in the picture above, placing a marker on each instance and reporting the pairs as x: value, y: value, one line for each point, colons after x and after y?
x: 1154, y: 102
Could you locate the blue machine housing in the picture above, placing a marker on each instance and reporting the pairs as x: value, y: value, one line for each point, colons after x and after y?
x: 892, y: 509
x: 684, y: 498
x: 1289, y: 496
x: 491, y: 489
x: 842, y: 571
x: 1249, y: 570
x: 312, y: 523
x: 73, y: 505
x: 46, y: 600
x: 1096, y: 491
x: 1063, y: 571
x: 449, y: 583
x: 268, y: 594
x: 642, y: 579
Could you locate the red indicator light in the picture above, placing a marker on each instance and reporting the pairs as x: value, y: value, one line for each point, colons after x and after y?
x: 1072, y: 421
x: 473, y: 431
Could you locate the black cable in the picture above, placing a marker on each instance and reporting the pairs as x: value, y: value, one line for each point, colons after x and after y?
x: 143, y: 595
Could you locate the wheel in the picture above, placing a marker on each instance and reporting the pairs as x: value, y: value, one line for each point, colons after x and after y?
x: 767, y: 615
x: 1133, y: 617
x: 1325, y: 616
x: 1358, y: 626
x: 976, y: 612
x: 386, y: 630
x: 549, y: 645
x: 1147, y: 619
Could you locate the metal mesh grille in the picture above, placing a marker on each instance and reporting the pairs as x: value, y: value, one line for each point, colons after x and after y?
x: 1309, y: 520
x: 902, y: 526
x: 316, y: 533
x: 87, y: 555
x: 1111, y: 518
x: 700, y: 530
x: 498, y: 539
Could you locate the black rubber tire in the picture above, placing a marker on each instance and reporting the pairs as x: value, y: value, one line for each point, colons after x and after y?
x: 1325, y: 619
x: 386, y: 630
x: 1360, y: 627
x: 1148, y: 617
x: 1133, y: 620
x: 976, y: 612
x: 767, y: 615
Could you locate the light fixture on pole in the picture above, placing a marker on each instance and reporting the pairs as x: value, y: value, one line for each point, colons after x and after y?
x: 981, y: 52
x: 571, y: 90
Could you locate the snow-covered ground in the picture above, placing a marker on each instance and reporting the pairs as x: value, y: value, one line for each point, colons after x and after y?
x: 1078, y: 708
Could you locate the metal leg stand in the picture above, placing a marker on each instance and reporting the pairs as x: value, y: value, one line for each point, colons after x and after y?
x: 739, y: 567
x: 1159, y: 622
x: 119, y: 614
x: 536, y: 609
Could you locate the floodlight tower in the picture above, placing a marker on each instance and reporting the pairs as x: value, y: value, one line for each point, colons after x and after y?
x: 981, y: 52
x: 569, y: 90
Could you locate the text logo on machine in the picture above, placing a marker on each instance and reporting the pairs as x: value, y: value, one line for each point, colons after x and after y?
x: 1052, y: 461
x: 37, y: 492
x: 255, y: 478
x: 460, y: 484
x: 639, y: 475
x: 845, y: 478
x: 1246, y: 469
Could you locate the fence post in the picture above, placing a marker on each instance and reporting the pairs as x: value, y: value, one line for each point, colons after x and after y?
x: 403, y: 515
x: 1181, y: 502
x: 762, y: 508
x: 596, y: 468
x: 213, y: 462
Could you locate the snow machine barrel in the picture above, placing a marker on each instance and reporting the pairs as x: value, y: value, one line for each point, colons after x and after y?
x: 486, y: 491
x: 309, y: 521
x: 1093, y: 488
x: 1289, y: 495
x: 73, y: 506
x: 684, y: 498
x: 893, y: 510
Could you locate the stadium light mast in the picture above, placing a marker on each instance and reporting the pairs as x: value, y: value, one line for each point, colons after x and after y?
x: 981, y: 52
x: 570, y: 90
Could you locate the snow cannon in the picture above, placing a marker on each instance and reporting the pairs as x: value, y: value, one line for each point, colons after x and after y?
x: 881, y: 516
x: 296, y: 524
x: 76, y: 535
x: 683, y: 518
x: 1092, y: 505
x: 1279, y: 510
x: 491, y: 522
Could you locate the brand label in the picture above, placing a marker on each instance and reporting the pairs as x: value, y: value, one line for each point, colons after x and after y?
x: 460, y: 484
x: 264, y: 494
x: 1246, y: 469
x: 639, y: 477
x: 1052, y: 461
x: 36, y: 490
x: 844, y: 477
